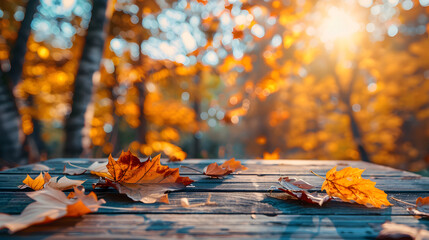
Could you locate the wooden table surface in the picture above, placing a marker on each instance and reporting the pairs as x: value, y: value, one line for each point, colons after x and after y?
x: 243, y: 208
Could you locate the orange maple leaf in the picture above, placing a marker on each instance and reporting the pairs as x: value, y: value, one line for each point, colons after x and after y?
x: 348, y: 185
x: 228, y: 167
x: 129, y: 169
x: 142, y: 181
x: 51, y: 204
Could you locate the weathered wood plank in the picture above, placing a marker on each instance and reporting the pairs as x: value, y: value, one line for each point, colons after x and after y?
x: 227, y: 203
x: 152, y: 226
x: 256, y: 167
x: 239, y: 182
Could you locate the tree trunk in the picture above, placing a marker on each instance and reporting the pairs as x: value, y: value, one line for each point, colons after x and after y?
x: 11, y: 149
x: 197, y: 108
x: 17, y: 54
x: 89, y: 64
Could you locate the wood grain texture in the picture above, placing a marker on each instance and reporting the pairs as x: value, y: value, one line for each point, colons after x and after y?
x: 243, y: 210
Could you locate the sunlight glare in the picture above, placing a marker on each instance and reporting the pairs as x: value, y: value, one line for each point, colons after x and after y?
x: 337, y: 25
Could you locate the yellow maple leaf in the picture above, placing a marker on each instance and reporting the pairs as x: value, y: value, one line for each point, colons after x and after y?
x: 349, y: 185
x: 36, y: 183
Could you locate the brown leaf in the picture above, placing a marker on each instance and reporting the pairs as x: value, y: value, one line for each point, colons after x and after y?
x: 399, y: 231
x: 307, y: 197
x: 422, y: 207
x: 348, y: 185
x: 51, y: 204
x: 297, y: 189
x: 142, y: 181
x: 228, y: 167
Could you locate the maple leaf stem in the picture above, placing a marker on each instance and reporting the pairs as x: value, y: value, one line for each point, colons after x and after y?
x: 196, y: 170
x: 398, y: 200
x: 317, y: 174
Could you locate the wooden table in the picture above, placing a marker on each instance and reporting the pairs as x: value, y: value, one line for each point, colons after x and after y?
x: 243, y: 208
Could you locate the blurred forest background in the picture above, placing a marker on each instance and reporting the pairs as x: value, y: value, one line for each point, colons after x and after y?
x: 293, y: 79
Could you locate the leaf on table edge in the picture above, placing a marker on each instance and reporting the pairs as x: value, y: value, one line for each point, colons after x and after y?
x: 38, y: 212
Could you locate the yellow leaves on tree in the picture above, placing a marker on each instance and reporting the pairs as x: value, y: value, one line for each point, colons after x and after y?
x: 215, y: 171
x: 51, y: 204
x: 142, y: 181
x: 348, y: 185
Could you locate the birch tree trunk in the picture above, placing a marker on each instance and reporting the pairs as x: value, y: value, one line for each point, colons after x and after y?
x: 89, y: 64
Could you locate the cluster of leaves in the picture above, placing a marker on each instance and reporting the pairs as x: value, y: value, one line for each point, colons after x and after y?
x: 346, y: 185
x: 147, y: 182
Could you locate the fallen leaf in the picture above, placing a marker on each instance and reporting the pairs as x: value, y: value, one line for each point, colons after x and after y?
x: 143, y: 192
x: 40, y: 167
x: 51, y: 204
x: 36, y: 183
x: 63, y: 183
x: 96, y: 168
x: 215, y: 171
x: 400, y: 231
x: 422, y: 207
x: 142, y: 181
x: 42, y: 181
x: 185, y: 202
x: 73, y: 171
x: 294, y: 184
x: 348, y: 185
x: 297, y: 189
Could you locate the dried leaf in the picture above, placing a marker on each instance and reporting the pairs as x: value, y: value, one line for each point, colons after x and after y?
x: 348, y: 185
x: 142, y: 181
x: 42, y: 181
x: 96, y: 168
x: 228, y: 167
x: 73, y: 171
x: 422, y: 207
x: 37, y: 183
x: 63, y: 183
x: 51, y: 204
x: 40, y: 167
x: 399, y: 231
x: 294, y: 184
x: 297, y: 189
x: 308, y: 197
